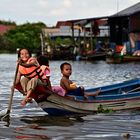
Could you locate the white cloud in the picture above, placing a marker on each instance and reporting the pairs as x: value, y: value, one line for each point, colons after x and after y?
x: 43, y: 2
x: 51, y: 11
x: 58, y: 12
x: 67, y: 3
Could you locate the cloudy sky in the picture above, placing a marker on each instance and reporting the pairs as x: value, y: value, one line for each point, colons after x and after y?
x: 51, y: 11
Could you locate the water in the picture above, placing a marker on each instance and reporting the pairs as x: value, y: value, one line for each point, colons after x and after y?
x: 31, y: 122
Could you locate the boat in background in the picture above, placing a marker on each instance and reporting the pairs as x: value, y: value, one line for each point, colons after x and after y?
x: 118, y: 54
x: 115, y: 97
x: 92, y: 57
x: 118, y: 58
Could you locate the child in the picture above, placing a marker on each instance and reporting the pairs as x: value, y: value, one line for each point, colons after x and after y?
x: 70, y: 87
x: 32, y: 72
x: 43, y: 60
x: 44, y: 63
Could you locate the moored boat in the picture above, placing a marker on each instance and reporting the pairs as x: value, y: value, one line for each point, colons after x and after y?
x: 115, y: 97
x: 118, y: 58
x: 92, y: 57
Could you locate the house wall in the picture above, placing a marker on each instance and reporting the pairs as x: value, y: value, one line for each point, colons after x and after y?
x: 119, y: 29
x: 135, y: 22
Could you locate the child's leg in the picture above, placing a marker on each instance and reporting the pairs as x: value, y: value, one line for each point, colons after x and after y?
x: 31, y: 85
x: 27, y: 98
x: 24, y: 81
x: 93, y: 94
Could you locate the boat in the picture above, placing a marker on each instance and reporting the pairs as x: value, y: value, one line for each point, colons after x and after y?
x: 92, y: 57
x: 118, y: 58
x: 115, y: 97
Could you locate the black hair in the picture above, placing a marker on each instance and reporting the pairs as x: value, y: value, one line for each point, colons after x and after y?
x: 43, y: 60
x: 63, y: 64
x: 25, y: 49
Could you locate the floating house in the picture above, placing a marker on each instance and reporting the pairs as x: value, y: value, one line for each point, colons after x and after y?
x: 82, y: 32
x: 120, y: 30
x: 125, y: 29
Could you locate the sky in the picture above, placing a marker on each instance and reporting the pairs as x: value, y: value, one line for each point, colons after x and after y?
x: 51, y: 11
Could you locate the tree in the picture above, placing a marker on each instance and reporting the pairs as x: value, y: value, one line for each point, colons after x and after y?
x: 25, y: 36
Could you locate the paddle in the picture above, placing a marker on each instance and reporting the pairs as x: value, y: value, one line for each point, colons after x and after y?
x: 131, y: 90
x: 12, y: 93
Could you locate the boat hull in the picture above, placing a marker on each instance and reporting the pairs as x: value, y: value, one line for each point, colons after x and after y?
x: 115, y: 97
x: 61, y: 106
x: 122, y: 59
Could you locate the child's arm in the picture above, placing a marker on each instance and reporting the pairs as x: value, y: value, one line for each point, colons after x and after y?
x: 33, y: 62
x: 18, y: 78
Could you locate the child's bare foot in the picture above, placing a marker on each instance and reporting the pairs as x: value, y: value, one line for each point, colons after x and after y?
x: 25, y: 101
x: 85, y: 97
x: 29, y: 100
x: 97, y: 92
x: 93, y: 94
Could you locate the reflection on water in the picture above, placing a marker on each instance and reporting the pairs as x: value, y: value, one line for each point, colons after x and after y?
x: 32, y: 123
x: 48, y: 120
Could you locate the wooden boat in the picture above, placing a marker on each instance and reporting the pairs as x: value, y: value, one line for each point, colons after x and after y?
x: 92, y: 57
x: 115, y: 97
x: 122, y: 59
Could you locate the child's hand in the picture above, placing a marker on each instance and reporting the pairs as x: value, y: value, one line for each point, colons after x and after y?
x: 73, y: 85
x: 82, y: 87
x: 12, y: 88
x: 19, y: 61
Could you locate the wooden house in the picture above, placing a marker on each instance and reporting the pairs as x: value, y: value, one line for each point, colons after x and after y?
x: 125, y: 28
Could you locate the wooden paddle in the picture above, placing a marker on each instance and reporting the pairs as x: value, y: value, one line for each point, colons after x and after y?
x: 131, y: 90
x: 12, y: 93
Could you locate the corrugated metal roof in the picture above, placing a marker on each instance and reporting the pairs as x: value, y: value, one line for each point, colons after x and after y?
x: 128, y: 11
x: 63, y: 23
x: 86, y: 20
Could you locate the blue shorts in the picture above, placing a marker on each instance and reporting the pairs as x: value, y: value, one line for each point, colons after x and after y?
x: 76, y: 92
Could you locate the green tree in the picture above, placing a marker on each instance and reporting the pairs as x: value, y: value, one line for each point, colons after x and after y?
x: 3, y: 43
x: 25, y: 36
x: 7, y: 22
x: 67, y: 41
x: 58, y: 41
